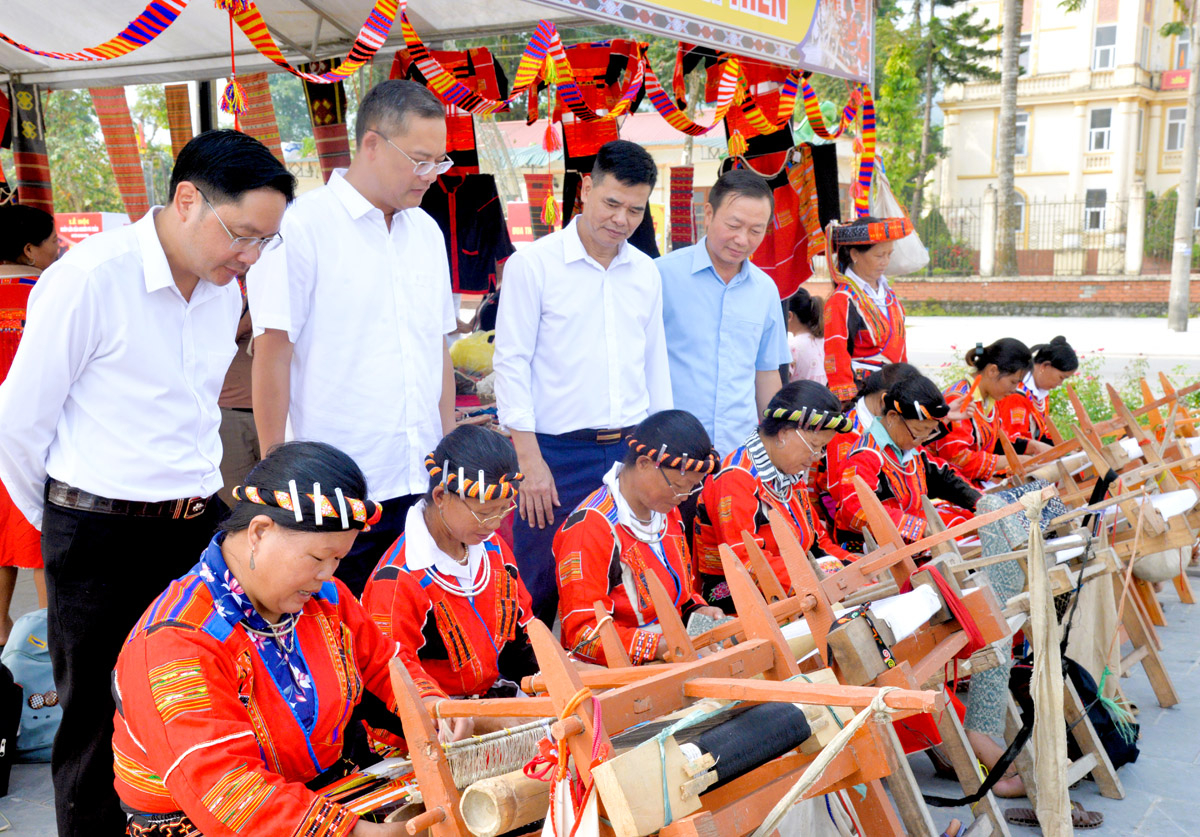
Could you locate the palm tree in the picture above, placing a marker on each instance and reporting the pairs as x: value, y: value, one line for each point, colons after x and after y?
x: 1006, y: 262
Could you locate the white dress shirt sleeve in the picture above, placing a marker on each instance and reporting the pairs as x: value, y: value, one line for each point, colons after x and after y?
x: 658, y: 375
x: 60, y: 335
x: 279, y: 288
x: 517, y: 321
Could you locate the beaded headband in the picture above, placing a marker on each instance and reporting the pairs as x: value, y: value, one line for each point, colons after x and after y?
x: 682, y: 462
x: 915, y: 409
x: 457, y: 482
x: 811, y: 419
x: 352, y: 512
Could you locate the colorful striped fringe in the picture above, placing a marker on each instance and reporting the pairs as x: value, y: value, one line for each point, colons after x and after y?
x: 117, y: 126
x: 143, y: 29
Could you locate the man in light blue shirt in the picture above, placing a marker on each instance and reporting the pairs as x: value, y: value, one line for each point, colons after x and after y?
x: 724, y: 324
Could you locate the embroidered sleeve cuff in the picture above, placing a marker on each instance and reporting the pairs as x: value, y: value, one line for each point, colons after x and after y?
x: 911, y: 527
x: 644, y: 647
x: 427, y: 688
x: 328, y: 819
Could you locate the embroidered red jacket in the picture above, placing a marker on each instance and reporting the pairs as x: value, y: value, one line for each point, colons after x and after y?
x: 971, y: 444
x: 454, y: 645
x: 899, y: 488
x: 1025, y: 416
x: 849, y: 341
x: 202, y: 728
x: 599, y: 560
x: 735, y: 500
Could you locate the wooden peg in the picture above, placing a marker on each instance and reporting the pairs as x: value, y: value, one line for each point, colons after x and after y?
x: 760, y: 568
x: 1015, y: 467
x: 679, y: 644
x: 615, y: 654
x: 755, y: 615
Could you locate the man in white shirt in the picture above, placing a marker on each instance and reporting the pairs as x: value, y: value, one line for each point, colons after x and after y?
x: 580, y: 355
x: 350, y: 314
x: 109, y: 429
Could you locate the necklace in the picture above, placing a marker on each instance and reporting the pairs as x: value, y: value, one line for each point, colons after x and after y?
x: 283, y: 632
x: 478, y: 586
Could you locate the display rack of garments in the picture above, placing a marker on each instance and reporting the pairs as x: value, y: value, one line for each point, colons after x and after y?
x: 467, y: 208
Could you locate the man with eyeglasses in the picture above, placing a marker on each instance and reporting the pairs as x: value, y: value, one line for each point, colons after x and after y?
x: 351, y: 313
x: 109, y: 429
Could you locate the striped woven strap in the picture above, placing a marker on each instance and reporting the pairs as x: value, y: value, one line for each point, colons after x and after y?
x: 727, y: 90
x: 866, y: 163
x: 763, y: 123
x: 816, y: 121
x: 370, y: 38
x: 143, y: 29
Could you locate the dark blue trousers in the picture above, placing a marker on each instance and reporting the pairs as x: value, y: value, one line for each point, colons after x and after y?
x: 578, y: 468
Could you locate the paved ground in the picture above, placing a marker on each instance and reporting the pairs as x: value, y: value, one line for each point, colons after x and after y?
x: 1161, y: 788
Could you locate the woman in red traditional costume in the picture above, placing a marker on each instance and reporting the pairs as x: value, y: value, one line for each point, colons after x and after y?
x: 764, y: 474
x: 628, y: 528
x: 447, y: 590
x: 890, y: 459
x: 235, y: 689
x: 973, y: 443
x: 864, y: 321
x: 1025, y: 413
x: 28, y: 245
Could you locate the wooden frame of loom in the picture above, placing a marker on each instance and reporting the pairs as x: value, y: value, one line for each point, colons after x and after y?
x: 634, y: 695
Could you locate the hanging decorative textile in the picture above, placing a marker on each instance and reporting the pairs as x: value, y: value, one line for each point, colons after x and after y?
x: 29, y: 149
x: 676, y: 118
x: 540, y: 190
x: 327, y: 112
x: 683, y: 222
x: 233, y: 100
x: 370, y: 38
x: 143, y: 29
x: 179, y: 116
x: 866, y: 164
x: 7, y: 193
x: 259, y: 120
x: 816, y: 121
x: 754, y: 114
x: 113, y: 110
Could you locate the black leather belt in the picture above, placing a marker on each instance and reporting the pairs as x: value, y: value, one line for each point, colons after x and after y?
x: 69, y: 497
x: 600, y: 437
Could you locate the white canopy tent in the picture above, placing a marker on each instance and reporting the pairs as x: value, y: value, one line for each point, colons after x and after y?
x: 196, y: 46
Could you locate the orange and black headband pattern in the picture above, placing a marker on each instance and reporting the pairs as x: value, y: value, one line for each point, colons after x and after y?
x: 864, y: 234
x: 457, y: 482
x: 915, y: 410
x: 679, y: 461
x: 811, y: 419
x: 319, y: 505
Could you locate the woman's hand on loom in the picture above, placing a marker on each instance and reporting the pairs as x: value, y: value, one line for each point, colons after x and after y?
x: 714, y: 613
x: 362, y: 828
x: 1036, y: 446
x: 455, y: 729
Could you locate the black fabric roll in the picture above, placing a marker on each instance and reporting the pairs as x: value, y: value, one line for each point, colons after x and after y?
x: 751, y: 737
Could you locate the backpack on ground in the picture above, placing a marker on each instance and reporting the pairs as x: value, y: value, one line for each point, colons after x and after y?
x: 27, y: 656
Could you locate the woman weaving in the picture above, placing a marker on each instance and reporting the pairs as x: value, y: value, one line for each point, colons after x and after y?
x: 628, y: 528
x: 1025, y: 413
x: 890, y: 459
x: 973, y: 444
x: 864, y: 321
x: 235, y: 688
x: 767, y: 474
x: 447, y: 591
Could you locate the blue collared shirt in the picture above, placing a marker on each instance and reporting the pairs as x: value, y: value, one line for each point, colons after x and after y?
x: 718, y: 336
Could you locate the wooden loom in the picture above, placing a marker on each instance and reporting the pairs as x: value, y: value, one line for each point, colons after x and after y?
x: 628, y: 697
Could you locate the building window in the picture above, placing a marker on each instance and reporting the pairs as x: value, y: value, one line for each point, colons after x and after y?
x: 1196, y: 217
x: 1018, y: 203
x: 1175, y: 119
x: 1021, y: 136
x: 1145, y: 48
x: 1104, y: 55
x: 1183, y: 45
x: 1141, y: 120
x: 1025, y: 41
x: 1100, y: 135
x: 1093, y: 209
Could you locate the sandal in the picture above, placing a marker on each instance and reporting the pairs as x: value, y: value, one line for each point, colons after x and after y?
x: 1079, y: 817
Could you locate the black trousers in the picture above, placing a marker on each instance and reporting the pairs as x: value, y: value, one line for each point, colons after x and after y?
x: 102, y: 572
x: 369, y: 547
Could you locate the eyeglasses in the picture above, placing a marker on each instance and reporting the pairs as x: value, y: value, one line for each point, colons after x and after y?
x: 244, y: 243
x: 916, y: 439
x: 422, y: 168
x: 492, y: 521
x: 679, y: 495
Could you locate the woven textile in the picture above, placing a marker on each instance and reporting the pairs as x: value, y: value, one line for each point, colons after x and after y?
x: 117, y: 125
x: 29, y: 149
x: 539, y: 187
x: 259, y: 119
x: 683, y: 224
x: 327, y: 112
x: 143, y: 29
x: 179, y: 116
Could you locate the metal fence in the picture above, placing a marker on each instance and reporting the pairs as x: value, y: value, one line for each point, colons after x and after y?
x: 1053, y: 238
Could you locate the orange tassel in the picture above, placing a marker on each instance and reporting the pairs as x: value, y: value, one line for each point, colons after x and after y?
x: 738, y: 145
x: 550, y: 141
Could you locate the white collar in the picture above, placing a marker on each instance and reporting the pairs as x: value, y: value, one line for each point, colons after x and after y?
x: 1037, y: 392
x: 879, y: 293
x: 422, y: 552
x: 625, y: 516
x: 865, y: 417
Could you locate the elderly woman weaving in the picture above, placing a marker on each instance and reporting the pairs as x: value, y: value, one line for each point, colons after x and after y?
x: 764, y: 474
x: 235, y: 689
